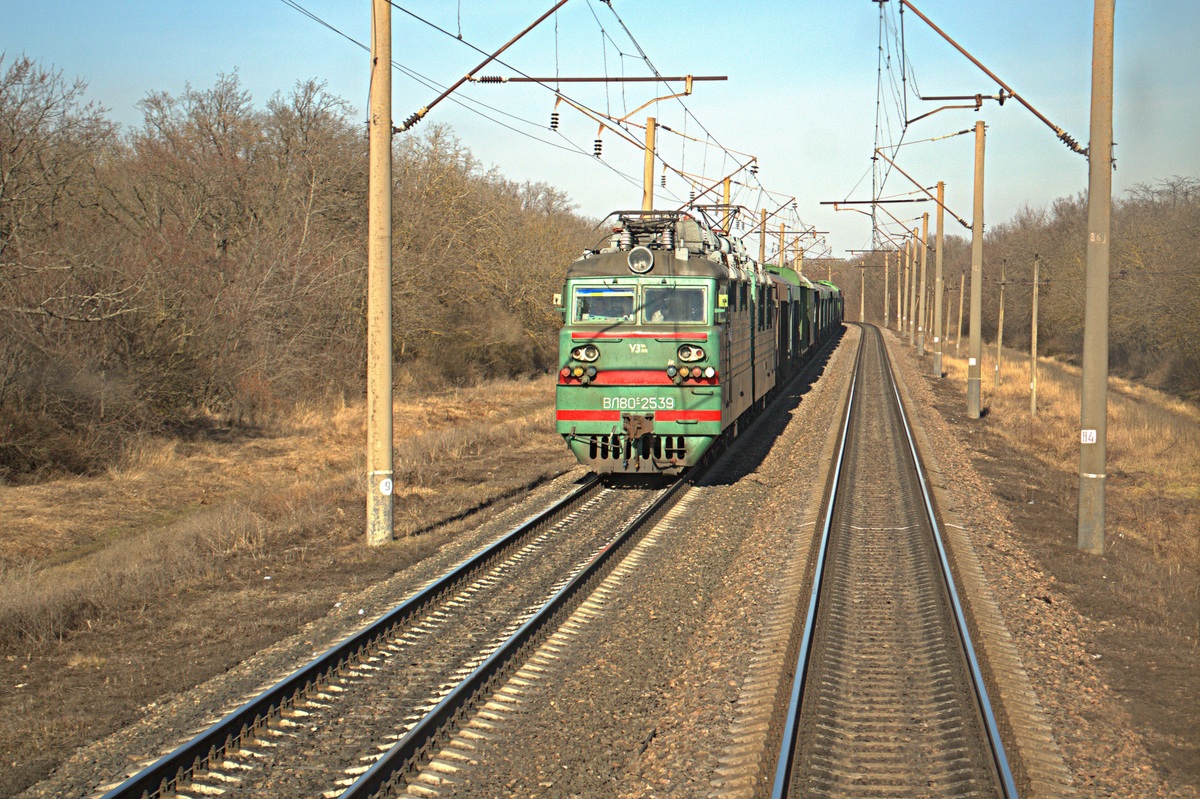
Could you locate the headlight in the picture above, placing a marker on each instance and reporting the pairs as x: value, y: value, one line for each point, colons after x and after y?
x: 640, y: 260
x: 586, y: 353
x: 689, y: 352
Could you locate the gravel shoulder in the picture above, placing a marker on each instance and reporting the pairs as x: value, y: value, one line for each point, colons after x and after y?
x: 1119, y: 695
x: 1066, y: 612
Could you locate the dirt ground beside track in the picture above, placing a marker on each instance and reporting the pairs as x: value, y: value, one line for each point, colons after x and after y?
x: 303, y: 486
x: 1136, y: 613
x: 59, y: 695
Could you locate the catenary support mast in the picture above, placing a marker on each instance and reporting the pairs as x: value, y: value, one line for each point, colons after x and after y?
x: 1093, y: 424
x: 379, y: 282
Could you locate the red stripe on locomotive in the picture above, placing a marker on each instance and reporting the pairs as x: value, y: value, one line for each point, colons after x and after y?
x: 665, y: 335
x: 660, y: 416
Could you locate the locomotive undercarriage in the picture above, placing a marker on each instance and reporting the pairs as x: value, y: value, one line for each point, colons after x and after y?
x: 608, y: 453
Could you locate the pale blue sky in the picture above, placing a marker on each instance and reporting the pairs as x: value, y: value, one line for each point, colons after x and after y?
x: 801, y: 92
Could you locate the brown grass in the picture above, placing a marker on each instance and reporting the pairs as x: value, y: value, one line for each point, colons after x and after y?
x: 141, y: 455
x: 1153, y: 448
x: 175, y: 516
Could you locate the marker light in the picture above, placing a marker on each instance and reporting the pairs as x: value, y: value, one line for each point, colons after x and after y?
x: 710, y: 373
x: 577, y: 371
x: 672, y: 371
x: 566, y: 371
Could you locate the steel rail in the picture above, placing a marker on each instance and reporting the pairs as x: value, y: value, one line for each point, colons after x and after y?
x: 783, y: 771
x: 418, y: 742
x: 407, y: 753
x: 165, y: 774
x: 981, y: 693
x: 783, y: 767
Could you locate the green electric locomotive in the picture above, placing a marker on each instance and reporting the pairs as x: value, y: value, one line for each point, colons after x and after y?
x: 672, y: 335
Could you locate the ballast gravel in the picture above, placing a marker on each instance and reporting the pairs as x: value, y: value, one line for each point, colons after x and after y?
x: 649, y: 700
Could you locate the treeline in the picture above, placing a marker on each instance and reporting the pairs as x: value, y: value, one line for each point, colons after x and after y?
x: 212, y: 262
x: 1154, y: 290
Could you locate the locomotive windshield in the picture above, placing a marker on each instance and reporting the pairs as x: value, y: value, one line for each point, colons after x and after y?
x: 673, y: 304
x: 644, y: 304
x: 604, y: 303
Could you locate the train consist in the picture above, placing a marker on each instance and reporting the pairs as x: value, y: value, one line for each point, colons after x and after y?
x: 673, y: 337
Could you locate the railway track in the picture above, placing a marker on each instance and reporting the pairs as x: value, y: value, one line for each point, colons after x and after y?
x: 879, y: 708
x: 887, y: 698
x: 384, y: 683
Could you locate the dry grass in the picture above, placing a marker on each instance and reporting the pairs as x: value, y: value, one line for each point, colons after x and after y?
x: 1153, y: 448
x: 141, y: 455
x: 174, y: 516
x: 45, y: 604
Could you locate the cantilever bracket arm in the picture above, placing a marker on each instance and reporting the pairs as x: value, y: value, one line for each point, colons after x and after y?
x: 961, y: 221
x: 420, y: 114
x: 1065, y: 137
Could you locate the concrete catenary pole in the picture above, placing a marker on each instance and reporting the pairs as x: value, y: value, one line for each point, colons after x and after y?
x: 782, y: 247
x: 887, y: 268
x: 1093, y: 412
x: 912, y: 293
x: 648, y: 170
x: 379, y: 282
x: 725, y: 201
x: 962, y: 287
x: 939, y: 285
x: 1033, y: 370
x: 862, y: 294
x: 1000, y: 330
x: 975, y: 346
x: 946, y: 328
x: 762, y: 239
x: 929, y: 314
x: 907, y: 277
x: 899, y: 291
x: 922, y: 326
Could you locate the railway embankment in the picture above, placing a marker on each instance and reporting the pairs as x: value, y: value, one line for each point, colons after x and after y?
x: 1109, y: 642
x: 1104, y: 641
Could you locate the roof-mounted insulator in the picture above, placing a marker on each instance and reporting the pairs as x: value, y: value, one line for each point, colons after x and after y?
x: 553, y: 120
x: 598, y: 147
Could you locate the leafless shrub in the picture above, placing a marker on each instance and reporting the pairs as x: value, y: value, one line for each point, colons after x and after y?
x: 211, y: 264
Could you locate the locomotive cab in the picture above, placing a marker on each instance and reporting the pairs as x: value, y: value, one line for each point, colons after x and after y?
x: 639, y: 385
